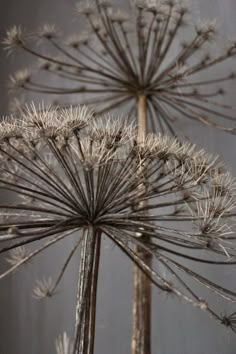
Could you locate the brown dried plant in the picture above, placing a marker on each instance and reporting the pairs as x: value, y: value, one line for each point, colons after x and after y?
x: 141, y: 64
x: 72, y: 176
x: 156, y: 51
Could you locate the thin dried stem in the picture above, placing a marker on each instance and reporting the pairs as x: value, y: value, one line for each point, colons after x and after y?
x: 141, y: 338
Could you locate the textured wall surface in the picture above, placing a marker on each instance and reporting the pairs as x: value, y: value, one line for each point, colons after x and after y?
x: 28, y: 326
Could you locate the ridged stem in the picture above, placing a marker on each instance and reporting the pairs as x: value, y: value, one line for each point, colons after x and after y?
x: 87, y: 292
x: 142, y: 301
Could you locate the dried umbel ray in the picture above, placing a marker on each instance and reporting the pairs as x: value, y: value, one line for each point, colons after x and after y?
x: 69, y: 175
x: 120, y: 57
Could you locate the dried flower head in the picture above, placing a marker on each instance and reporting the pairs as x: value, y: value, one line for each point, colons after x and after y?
x: 85, y: 7
x: 43, y: 288
x: 48, y: 31
x: 63, y: 344
x: 114, y: 64
x: 20, y: 79
x: 17, y: 255
x: 14, y: 38
x: 87, y: 178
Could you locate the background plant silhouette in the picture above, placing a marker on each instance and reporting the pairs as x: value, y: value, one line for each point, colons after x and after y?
x: 120, y: 57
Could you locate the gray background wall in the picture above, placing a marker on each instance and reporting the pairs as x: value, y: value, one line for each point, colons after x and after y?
x: 28, y: 326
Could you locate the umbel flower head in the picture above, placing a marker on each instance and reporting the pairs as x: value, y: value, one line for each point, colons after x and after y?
x: 71, y: 176
x: 119, y: 57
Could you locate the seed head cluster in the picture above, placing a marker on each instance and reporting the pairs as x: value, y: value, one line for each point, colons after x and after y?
x: 120, y: 56
x: 67, y: 172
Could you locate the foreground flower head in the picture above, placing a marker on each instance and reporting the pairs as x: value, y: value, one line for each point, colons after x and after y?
x: 69, y: 174
x: 121, y: 56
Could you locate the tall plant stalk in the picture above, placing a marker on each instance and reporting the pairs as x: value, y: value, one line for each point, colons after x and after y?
x: 141, y: 339
x: 87, y: 293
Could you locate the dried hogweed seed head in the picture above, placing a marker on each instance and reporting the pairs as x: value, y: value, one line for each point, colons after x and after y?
x: 63, y: 344
x: 76, y: 118
x: 113, y: 131
x: 113, y: 67
x: 86, y: 8
x: 14, y: 38
x: 20, y: 79
x: 43, y: 288
x: 17, y: 255
x: 85, y: 173
x: 10, y: 129
x: 47, y: 31
x: 207, y: 29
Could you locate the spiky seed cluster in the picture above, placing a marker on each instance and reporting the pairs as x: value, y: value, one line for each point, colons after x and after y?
x: 121, y: 57
x: 68, y: 173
